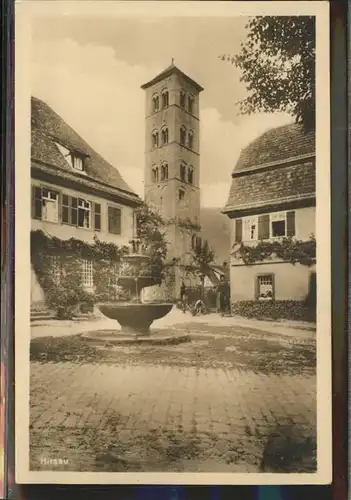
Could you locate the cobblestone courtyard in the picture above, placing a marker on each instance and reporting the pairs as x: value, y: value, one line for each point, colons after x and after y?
x: 234, y: 399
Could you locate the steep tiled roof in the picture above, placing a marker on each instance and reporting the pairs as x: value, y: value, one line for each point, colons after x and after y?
x: 167, y: 72
x: 276, y: 145
x: 277, y: 168
x: 48, y: 129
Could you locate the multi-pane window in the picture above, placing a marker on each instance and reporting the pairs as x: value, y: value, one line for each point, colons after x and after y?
x: 190, y: 175
x: 50, y: 210
x: 182, y: 98
x: 78, y: 162
x: 84, y: 213
x: 164, y: 172
x: 87, y: 273
x: 165, y: 99
x: 182, y: 172
x: 78, y: 212
x: 114, y: 220
x: 182, y: 136
x: 190, y: 140
x: 250, y: 229
x: 265, y: 287
x: 155, y: 103
x: 164, y: 135
x: 155, y: 140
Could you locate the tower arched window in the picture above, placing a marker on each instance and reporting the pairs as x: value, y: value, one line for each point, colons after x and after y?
x: 182, y: 172
x: 190, y: 140
x: 191, y: 104
x: 165, y: 99
x: 155, y: 139
x: 164, y: 172
x: 182, y: 135
x: 164, y: 135
x: 155, y: 103
x: 182, y: 98
x: 190, y: 175
x: 155, y: 174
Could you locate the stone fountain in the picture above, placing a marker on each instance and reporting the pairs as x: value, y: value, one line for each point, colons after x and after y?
x: 135, y: 316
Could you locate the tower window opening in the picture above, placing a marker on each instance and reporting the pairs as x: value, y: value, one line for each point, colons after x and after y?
x: 164, y: 172
x: 165, y: 99
x: 181, y: 194
x: 164, y: 136
x: 190, y: 104
x: 182, y: 98
x: 190, y: 175
x: 155, y: 139
x: 190, y: 140
x: 156, y: 103
x: 182, y: 136
x: 182, y: 172
x: 193, y: 241
x: 155, y: 174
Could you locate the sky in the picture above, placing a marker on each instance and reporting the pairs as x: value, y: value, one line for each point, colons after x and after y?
x: 90, y: 72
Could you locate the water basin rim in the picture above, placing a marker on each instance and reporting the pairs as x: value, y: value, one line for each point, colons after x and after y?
x: 133, y: 304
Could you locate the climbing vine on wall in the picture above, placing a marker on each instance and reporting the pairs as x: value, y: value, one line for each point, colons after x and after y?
x: 58, y: 267
x: 287, y: 249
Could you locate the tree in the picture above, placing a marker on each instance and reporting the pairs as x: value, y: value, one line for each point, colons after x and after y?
x: 150, y: 229
x: 277, y: 61
x: 201, y: 258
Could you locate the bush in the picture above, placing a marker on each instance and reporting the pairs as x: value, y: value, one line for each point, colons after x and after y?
x: 275, y: 309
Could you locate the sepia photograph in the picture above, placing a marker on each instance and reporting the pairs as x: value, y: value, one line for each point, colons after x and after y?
x: 173, y: 243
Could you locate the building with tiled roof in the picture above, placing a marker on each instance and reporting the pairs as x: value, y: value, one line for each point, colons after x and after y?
x: 75, y: 192
x: 272, y: 198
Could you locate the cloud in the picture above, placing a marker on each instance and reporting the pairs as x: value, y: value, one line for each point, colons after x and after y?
x: 100, y: 97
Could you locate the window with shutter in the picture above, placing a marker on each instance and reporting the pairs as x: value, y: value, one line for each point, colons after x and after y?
x: 36, y: 202
x: 238, y: 230
x: 74, y: 211
x: 97, y: 216
x: 65, y: 212
x: 263, y: 227
x: 114, y: 220
x: 290, y: 223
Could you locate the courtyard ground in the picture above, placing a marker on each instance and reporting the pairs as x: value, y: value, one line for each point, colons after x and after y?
x: 241, y: 397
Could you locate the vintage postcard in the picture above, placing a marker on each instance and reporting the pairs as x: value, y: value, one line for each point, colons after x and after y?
x: 173, y: 309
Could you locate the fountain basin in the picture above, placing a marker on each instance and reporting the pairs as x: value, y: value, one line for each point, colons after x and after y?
x: 135, y: 318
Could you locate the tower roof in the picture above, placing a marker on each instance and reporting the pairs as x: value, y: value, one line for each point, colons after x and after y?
x: 169, y: 71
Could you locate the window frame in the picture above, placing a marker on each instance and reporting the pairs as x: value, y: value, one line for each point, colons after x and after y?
x: 283, y: 216
x: 164, y: 136
x: 88, y: 270
x: 258, y: 277
x: 48, y: 199
x: 190, y: 139
x: 183, y: 135
x: 165, y: 98
x: 191, y: 99
x: 114, y: 207
x: 245, y: 221
x: 155, y: 103
x: 181, y: 194
x: 191, y: 175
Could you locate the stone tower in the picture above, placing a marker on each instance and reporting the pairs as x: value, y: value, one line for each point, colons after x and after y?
x: 172, y: 158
